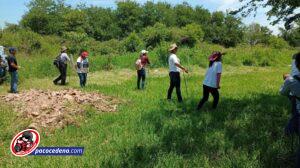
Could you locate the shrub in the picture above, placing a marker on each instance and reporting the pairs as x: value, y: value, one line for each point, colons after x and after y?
x: 277, y: 42
x: 162, y: 53
x: 192, y: 34
x: 152, y: 36
x: 132, y: 43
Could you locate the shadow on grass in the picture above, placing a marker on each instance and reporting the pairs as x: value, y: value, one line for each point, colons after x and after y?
x: 241, y: 132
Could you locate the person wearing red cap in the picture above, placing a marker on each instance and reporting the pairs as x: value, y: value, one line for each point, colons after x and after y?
x: 211, y: 83
x: 83, y: 68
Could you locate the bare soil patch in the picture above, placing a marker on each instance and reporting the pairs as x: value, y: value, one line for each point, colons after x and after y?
x: 56, y: 109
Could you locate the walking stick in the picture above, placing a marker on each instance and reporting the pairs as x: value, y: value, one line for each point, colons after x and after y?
x: 185, y: 83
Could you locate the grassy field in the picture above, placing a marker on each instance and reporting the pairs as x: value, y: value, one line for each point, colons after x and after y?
x: 147, y: 131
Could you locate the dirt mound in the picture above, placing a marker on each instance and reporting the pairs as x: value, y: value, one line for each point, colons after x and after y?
x: 55, y: 109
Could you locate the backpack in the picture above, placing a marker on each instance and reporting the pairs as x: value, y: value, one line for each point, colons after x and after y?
x: 57, y: 61
x: 138, y: 64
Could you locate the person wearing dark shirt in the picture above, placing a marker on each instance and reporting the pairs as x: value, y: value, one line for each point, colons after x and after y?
x: 13, y: 70
x: 141, y: 64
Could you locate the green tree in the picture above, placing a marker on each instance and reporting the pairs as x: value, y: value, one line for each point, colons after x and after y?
x: 192, y: 33
x: 282, y: 10
x: 103, y: 23
x: 255, y: 34
x: 184, y: 14
x: 128, y: 14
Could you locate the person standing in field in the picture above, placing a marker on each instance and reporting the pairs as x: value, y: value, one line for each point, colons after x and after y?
x: 141, y: 65
x: 63, y: 60
x: 82, y: 68
x: 13, y: 70
x: 291, y: 89
x: 174, y: 73
x: 211, y: 83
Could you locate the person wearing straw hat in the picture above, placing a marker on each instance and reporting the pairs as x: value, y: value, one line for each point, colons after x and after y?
x: 64, y: 58
x: 174, y: 72
x: 141, y: 65
x: 211, y: 83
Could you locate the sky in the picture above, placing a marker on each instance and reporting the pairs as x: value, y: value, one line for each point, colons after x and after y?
x: 11, y: 11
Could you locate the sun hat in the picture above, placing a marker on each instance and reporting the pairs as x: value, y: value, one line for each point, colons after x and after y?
x: 144, y: 52
x: 173, y: 47
x: 63, y: 48
x: 215, y: 55
x: 85, y: 54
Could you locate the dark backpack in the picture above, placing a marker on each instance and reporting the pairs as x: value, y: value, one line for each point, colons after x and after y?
x: 57, y: 61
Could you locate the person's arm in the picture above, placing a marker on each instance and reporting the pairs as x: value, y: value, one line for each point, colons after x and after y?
x: 14, y: 65
x: 285, y: 88
x: 181, y: 67
x: 218, y: 80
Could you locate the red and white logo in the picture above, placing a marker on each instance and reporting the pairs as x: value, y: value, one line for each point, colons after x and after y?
x: 25, y: 142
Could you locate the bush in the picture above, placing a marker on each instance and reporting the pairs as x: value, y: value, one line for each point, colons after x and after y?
x: 132, y: 43
x: 76, y: 41
x: 192, y: 34
x: 277, y: 42
x: 152, y: 36
x: 162, y: 53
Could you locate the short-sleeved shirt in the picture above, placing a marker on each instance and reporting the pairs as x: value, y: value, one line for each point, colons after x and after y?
x: 173, y: 60
x: 11, y: 59
x: 211, y: 74
x: 83, y: 65
x: 291, y: 86
x: 295, y: 70
x: 64, y: 58
x: 144, y: 60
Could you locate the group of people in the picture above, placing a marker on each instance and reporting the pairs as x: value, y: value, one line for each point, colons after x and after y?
x: 211, y: 83
x: 82, y: 66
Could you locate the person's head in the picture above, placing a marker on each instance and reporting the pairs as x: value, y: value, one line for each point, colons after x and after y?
x: 12, y: 51
x: 63, y: 49
x: 173, y: 48
x: 297, y: 60
x: 84, y: 54
x: 216, y: 56
x: 144, y: 53
x: 27, y: 136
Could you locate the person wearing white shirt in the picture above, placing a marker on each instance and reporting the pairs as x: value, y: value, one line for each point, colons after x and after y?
x: 211, y: 83
x: 82, y: 68
x: 174, y: 68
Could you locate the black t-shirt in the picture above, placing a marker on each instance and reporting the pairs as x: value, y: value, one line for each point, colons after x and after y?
x: 11, y: 59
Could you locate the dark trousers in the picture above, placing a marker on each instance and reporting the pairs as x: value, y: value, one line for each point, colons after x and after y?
x: 82, y: 79
x: 141, y: 77
x: 175, y: 82
x: 63, y: 74
x: 206, y: 91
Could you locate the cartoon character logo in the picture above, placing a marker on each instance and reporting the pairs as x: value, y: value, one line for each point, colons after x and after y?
x: 25, y: 142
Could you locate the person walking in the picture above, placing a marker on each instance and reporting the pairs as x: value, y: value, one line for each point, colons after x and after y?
x: 174, y: 73
x: 291, y: 89
x: 211, y: 83
x: 141, y: 64
x: 63, y: 60
x: 82, y: 68
x: 13, y: 70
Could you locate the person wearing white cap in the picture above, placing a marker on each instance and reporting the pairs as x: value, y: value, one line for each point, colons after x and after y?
x: 174, y: 68
x: 141, y: 64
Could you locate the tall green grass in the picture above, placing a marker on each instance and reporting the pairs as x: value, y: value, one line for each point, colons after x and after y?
x: 147, y: 131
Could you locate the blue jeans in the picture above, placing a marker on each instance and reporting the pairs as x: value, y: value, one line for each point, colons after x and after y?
x: 82, y: 79
x: 14, y: 82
